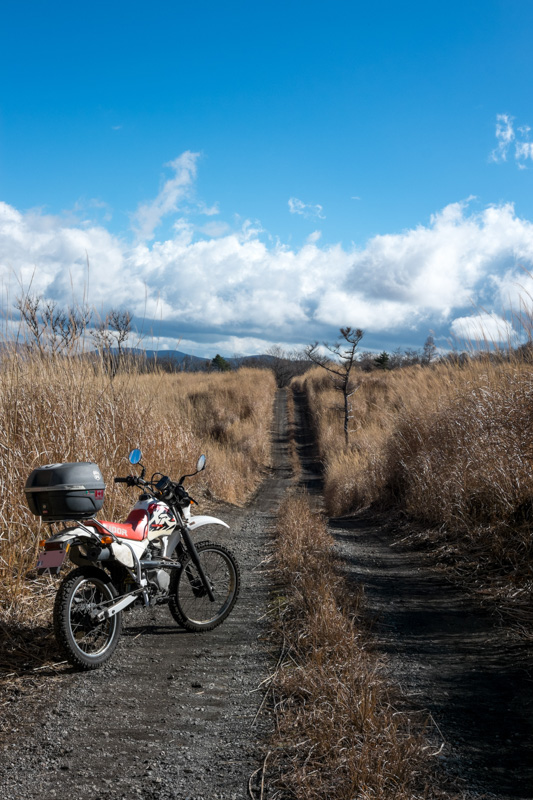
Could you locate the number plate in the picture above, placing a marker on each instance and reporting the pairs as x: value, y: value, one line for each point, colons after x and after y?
x: 51, y: 560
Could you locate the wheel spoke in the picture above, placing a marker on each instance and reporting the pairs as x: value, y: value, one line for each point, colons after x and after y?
x: 91, y: 635
x: 190, y: 604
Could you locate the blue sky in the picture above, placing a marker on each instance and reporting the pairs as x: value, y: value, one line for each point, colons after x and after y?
x: 244, y: 174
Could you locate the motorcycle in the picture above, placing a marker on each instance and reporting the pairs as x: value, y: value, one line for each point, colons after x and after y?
x: 149, y: 559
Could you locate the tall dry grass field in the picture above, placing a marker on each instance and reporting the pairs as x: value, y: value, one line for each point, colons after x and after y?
x: 65, y: 409
x: 450, y: 445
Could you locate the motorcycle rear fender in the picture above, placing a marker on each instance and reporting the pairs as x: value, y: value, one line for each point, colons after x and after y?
x: 119, y: 550
x: 67, y: 534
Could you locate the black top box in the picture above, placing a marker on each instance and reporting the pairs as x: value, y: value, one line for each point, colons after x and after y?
x: 65, y: 491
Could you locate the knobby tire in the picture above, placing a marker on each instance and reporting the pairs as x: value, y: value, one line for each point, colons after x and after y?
x: 189, y: 603
x: 85, y: 642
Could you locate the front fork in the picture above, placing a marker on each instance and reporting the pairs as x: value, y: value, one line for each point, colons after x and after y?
x: 191, y: 549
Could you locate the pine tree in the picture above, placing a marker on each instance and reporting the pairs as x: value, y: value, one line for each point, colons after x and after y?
x: 220, y: 363
x: 382, y: 361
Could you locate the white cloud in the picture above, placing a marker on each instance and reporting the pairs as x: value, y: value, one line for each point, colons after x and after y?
x: 507, y: 136
x: 214, y: 229
x: 87, y: 206
x: 483, y: 327
x: 149, y: 215
x: 209, y: 211
x: 427, y: 272
x: 304, y: 209
x: 230, y: 283
x: 524, y: 150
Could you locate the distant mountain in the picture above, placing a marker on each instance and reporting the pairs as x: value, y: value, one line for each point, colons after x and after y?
x: 174, y: 356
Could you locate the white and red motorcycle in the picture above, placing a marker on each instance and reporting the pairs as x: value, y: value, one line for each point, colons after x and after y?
x: 148, y: 559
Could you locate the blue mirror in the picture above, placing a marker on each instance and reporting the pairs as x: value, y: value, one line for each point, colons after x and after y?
x: 135, y: 456
x: 200, y: 464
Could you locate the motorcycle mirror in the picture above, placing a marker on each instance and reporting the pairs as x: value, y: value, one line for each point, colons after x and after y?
x: 200, y: 464
x: 134, y: 456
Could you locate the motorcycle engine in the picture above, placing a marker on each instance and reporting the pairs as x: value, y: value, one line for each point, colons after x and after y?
x: 158, y: 581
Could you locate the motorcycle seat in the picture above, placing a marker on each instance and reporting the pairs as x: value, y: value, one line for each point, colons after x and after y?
x: 135, y: 527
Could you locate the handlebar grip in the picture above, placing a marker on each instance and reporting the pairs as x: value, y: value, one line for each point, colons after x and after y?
x: 121, y: 480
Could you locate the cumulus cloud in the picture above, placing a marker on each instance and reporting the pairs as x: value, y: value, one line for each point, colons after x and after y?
x: 483, y: 327
x: 228, y: 283
x: 427, y: 272
x: 149, y: 215
x: 305, y: 209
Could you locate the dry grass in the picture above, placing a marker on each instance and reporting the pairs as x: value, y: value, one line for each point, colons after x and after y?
x: 452, y: 447
x: 338, y: 733
x: 64, y: 409
x: 294, y: 458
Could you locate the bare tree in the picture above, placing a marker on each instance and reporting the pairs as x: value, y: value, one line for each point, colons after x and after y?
x: 110, y: 336
x: 120, y: 323
x: 51, y: 328
x: 411, y: 357
x: 341, y: 368
x: 430, y: 350
x: 366, y: 361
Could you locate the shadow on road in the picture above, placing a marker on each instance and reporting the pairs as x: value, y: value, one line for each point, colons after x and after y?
x: 450, y: 656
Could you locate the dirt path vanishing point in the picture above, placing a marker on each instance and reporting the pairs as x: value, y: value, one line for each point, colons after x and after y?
x: 173, y: 713
x: 452, y: 658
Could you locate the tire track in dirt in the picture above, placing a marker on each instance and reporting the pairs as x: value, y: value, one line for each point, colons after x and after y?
x: 173, y: 714
x: 451, y: 657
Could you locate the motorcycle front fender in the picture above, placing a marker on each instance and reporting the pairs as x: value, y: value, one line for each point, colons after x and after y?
x: 191, y: 524
x: 197, y: 522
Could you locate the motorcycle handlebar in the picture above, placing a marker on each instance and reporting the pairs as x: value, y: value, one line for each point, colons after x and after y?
x: 131, y: 480
x: 165, y: 493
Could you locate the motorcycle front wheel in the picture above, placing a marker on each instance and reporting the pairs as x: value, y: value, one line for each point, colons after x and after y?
x: 86, y: 642
x: 189, y: 602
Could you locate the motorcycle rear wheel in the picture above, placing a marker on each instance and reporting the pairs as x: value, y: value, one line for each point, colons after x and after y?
x: 86, y: 642
x: 189, y: 603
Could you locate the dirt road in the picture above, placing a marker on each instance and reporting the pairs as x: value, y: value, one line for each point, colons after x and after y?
x: 173, y: 714
x: 452, y: 659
